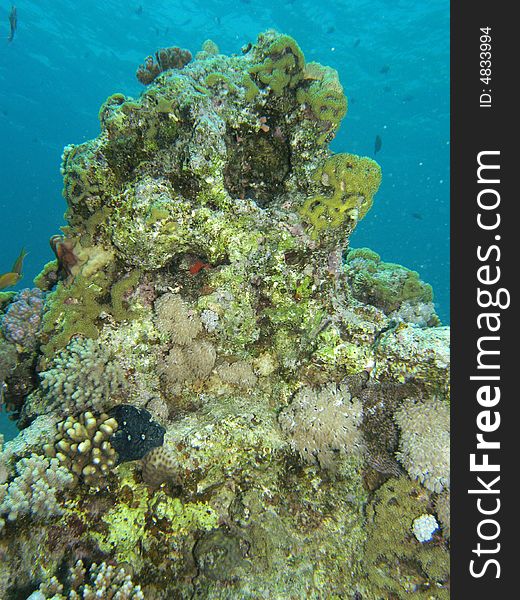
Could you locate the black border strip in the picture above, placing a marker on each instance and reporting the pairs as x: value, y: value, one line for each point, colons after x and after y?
x: 486, y: 124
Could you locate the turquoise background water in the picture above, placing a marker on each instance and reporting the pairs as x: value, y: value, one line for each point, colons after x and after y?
x: 393, y: 61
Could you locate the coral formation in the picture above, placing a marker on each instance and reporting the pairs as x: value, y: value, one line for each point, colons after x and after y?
x: 160, y: 465
x: 424, y: 448
x: 323, y: 422
x: 82, y: 445
x: 22, y: 319
x: 281, y: 66
x: 33, y: 491
x: 225, y: 405
x: 424, y: 527
x: 165, y: 58
x: 83, y: 376
x: 354, y: 181
x: 398, y: 565
x: 394, y: 289
x: 100, y: 581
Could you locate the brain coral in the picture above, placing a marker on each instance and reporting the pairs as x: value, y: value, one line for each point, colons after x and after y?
x: 159, y: 465
x: 424, y: 447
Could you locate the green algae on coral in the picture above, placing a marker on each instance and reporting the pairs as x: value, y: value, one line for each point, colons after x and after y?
x: 384, y: 285
x: 282, y: 66
x: 354, y: 181
x: 396, y: 562
x: 324, y: 97
x: 206, y: 227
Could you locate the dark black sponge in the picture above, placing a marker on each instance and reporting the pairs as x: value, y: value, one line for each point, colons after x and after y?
x: 137, y: 433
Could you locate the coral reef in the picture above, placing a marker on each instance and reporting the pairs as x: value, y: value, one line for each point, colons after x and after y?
x: 394, y: 289
x: 21, y: 322
x: 83, y: 376
x: 100, y: 581
x: 83, y: 447
x: 211, y: 398
x: 33, y: 489
x: 165, y: 58
x: 424, y: 448
x: 399, y: 565
x: 323, y: 422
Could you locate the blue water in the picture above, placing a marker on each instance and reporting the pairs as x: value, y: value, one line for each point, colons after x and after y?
x: 393, y: 60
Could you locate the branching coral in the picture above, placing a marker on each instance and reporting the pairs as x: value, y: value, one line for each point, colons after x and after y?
x: 100, y: 581
x: 33, y: 490
x: 83, y: 376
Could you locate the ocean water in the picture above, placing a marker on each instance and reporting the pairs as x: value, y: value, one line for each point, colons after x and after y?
x: 392, y: 57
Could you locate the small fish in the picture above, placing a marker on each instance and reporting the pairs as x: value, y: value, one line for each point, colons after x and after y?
x: 15, y: 274
x: 13, y: 22
x: 139, y: 10
x: 18, y: 263
x: 356, y: 43
x: 384, y: 69
x: 407, y: 98
x: 417, y: 216
x: 330, y: 29
x: 378, y: 143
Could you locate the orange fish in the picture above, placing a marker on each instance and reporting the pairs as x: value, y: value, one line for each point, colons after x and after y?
x: 15, y: 274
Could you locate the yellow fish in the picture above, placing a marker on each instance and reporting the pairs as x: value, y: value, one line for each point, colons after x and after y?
x: 15, y: 274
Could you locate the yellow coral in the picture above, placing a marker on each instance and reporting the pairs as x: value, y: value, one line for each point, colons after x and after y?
x: 354, y: 181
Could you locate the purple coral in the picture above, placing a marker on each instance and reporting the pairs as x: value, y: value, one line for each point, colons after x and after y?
x: 21, y: 321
